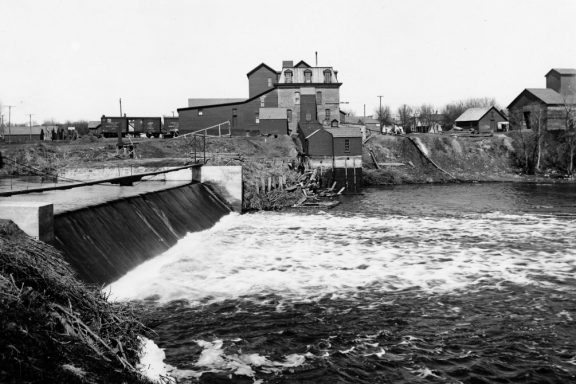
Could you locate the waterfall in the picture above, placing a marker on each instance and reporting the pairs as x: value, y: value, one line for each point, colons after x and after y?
x: 103, y: 242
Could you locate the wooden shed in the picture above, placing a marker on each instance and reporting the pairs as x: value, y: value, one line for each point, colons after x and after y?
x: 481, y: 120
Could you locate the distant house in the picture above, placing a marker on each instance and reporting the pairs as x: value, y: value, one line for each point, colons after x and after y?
x: 547, y: 106
x: 372, y: 124
x: 93, y: 127
x: 481, y: 120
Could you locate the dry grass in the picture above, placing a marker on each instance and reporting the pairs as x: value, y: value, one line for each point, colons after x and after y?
x: 53, y: 327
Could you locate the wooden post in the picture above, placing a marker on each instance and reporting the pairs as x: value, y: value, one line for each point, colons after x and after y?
x: 346, y: 172
x: 263, y: 185
x: 354, y: 166
x: 269, y: 184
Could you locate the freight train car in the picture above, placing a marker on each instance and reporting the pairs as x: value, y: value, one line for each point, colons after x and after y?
x: 134, y: 126
x: 171, y: 126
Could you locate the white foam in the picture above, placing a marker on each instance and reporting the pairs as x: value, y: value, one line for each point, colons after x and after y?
x: 214, y: 359
x: 304, y: 257
x: 151, y: 363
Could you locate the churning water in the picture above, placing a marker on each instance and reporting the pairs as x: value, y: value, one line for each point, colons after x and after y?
x: 409, y: 284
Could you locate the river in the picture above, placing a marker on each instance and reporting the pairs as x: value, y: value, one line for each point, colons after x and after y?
x: 464, y: 283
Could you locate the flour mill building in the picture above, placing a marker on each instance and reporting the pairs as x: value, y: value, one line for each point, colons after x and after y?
x: 273, y: 103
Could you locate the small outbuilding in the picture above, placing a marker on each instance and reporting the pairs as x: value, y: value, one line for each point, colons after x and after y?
x: 481, y: 120
x: 22, y: 134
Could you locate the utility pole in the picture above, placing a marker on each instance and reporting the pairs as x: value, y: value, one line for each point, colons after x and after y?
x: 380, y: 113
x: 9, y: 122
x: 121, y: 107
x: 30, y: 116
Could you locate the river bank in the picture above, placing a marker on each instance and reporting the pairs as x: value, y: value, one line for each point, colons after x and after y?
x: 269, y: 163
x: 53, y: 327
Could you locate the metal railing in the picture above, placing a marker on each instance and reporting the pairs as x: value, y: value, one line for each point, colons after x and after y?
x: 204, y: 132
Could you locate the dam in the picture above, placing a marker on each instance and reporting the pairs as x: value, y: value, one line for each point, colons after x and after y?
x: 105, y: 229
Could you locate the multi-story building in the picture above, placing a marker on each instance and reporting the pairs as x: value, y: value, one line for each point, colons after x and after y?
x: 273, y: 103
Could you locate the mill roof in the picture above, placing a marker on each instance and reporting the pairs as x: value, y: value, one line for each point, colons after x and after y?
x: 345, y: 132
x: 563, y: 71
x: 260, y: 66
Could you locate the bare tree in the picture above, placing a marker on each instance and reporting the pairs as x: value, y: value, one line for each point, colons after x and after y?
x: 535, y: 119
x: 530, y: 134
x: 405, y: 116
x: 426, y: 113
x: 384, y: 116
x: 570, y: 134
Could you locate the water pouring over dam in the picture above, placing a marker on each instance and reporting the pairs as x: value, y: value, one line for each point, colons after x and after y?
x: 106, y: 230
x: 102, y: 243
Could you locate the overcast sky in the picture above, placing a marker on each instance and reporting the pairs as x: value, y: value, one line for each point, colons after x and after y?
x: 74, y: 59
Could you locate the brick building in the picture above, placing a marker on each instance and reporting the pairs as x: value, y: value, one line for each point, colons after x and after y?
x: 273, y: 103
x: 546, y: 106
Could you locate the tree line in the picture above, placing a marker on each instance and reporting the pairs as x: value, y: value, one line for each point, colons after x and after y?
x: 428, y: 114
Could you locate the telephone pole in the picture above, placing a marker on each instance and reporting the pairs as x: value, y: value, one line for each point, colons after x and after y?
x: 9, y: 121
x: 120, y: 107
x: 30, y: 116
x: 380, y: 113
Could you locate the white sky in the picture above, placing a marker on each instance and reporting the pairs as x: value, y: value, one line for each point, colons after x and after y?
x: 72, y: 59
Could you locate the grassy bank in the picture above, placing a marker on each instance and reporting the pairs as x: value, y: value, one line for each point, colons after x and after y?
x: 54, y: 328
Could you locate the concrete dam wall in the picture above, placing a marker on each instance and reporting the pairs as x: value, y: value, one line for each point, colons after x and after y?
x: 105, y: 241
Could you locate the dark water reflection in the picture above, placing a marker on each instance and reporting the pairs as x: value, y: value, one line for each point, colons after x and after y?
x: 461, y: 199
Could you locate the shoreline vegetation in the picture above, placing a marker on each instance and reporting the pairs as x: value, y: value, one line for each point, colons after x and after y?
x: 55, y: 328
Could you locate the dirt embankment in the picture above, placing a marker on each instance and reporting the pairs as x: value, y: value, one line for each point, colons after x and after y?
x: 428, y: 158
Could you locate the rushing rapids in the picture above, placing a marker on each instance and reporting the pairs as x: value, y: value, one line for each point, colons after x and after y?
x: 451, y: 284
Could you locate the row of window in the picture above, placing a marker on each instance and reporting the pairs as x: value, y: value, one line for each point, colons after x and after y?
x: 318, y: 97
x: 289, y: 75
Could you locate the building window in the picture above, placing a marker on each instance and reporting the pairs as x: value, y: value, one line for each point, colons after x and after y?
x: 257, y: 118
x: 297, y: 98
x: 200, y: 112
x: 307, y: 76
x: 269, y: 82
x: 327, y: 76
x: 262, y: 101
x: 346, y: 145
x: 334, y: 123
x: 234, y: 112
x: 318, y: 97
x: 288, y: 76
x: 327, y: 115
x: 289, y: 115
x: 308, y: 116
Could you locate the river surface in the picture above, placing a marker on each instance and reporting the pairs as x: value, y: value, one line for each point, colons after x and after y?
x: 471, y: 283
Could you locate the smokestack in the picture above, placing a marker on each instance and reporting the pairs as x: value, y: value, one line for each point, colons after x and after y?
x: 316, y: 57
